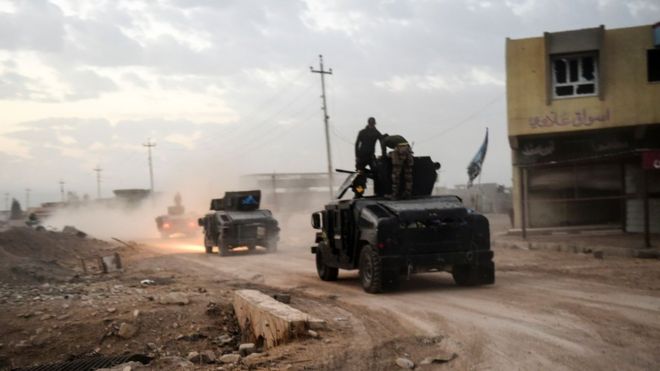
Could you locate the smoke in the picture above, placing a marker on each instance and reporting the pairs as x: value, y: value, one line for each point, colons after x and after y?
x: 113, y: 218
x: 196, y: 180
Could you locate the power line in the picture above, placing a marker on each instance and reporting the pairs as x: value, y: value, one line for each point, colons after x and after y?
x: 468, y: 118
x: 323, y: 72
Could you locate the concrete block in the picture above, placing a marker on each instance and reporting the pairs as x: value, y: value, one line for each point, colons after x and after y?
x: 268, y: 322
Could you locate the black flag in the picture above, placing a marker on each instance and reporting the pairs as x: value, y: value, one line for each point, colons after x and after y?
x: 474, y: 168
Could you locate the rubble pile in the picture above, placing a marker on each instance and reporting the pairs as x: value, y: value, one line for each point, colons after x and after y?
x: 55, y: 322
x: 32, y: 256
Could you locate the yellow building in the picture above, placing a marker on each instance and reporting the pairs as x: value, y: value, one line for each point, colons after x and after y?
x: 583, y: 117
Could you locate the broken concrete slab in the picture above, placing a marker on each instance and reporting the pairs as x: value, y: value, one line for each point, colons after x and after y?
x: 267, y: 321
x: 174, y: 298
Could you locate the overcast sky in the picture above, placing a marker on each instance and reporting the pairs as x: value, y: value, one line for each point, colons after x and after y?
x: 225, y: 86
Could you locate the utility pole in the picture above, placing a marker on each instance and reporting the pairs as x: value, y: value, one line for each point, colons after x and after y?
x: 98, y: 181
x: 149, y: 145
x: 27, y: 198
x: 62, y: 190
x: 6, y: 200
x: 323, y: 72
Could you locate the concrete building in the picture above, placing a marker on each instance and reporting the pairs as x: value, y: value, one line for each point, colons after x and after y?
x: 292, y: 192
x: 584, y: 128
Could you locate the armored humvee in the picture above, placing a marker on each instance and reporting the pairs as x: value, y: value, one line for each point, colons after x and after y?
x: 387, y: 239
x: 176, y: 221
x: 237, y: 221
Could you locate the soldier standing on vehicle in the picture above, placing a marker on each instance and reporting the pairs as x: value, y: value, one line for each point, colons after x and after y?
x: 365, y: 145
x: 402, y: 161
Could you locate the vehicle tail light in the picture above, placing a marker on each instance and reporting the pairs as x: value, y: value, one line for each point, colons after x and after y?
x: 381, y: 245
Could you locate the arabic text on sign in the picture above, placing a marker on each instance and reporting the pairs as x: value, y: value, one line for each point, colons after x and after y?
x: 575, y: 119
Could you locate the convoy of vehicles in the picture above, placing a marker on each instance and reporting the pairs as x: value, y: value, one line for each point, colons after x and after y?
x: 383, y: 236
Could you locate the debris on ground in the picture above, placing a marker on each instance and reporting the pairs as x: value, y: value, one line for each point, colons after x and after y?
x: 439, y: 358
x: 405, y: 363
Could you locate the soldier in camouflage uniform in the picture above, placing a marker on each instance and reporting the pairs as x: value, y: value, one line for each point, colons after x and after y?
x: 402, y: 161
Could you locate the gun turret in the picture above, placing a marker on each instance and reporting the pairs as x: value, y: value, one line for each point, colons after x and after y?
x: 425, y: 173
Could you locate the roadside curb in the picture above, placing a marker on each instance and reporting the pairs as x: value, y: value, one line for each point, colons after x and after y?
x: 578, y: 248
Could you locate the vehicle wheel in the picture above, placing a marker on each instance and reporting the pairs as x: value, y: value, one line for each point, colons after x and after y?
x: 325, y: 273
x: 251, y: 248
x: 465, y: 275
x: 487, y: 274
x: 208, y: 245
x: 371, y: 270
x: 224, y: 250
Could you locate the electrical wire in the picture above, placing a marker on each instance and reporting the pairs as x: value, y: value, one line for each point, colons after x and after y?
x: 466, y: 119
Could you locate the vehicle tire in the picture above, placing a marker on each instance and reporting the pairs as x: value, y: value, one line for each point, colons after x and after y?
x: 224, y: 250
x: 325, y: 272
x: 208, y: 245
x: 371, y: 270
x: 487, y: 274
x: 465, y: 275
x: 251, y: 248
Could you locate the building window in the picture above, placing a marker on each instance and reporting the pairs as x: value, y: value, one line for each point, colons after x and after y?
x: 574, y: 75
x: 653, y: 64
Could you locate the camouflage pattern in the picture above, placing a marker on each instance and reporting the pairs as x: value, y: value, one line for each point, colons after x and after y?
x: 402, y: 161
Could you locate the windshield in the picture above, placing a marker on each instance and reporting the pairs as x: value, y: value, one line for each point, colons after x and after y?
x: 244, y: 215
x: 434, y: 203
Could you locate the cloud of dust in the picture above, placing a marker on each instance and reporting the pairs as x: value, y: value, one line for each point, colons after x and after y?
x: 293, y: 212
x: 196, y: 180
x: 112, y: 219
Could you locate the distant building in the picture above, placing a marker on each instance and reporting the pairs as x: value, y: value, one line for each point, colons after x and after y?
x: 487, y: 198
x: 584, y: 128
x: 292, y: 192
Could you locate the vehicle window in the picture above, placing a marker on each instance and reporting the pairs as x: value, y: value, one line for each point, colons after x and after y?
x: 368, y: 217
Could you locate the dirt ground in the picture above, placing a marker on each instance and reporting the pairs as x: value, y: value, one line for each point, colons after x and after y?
x: 547, y: 310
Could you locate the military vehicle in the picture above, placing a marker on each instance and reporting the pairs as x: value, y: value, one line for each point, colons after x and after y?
x: 176, y: 221
x: 386, y: 238
x: 237, y: 221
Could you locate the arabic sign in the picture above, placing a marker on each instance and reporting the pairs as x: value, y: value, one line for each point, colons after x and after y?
x: 579, y: 118
x: 651, y: 160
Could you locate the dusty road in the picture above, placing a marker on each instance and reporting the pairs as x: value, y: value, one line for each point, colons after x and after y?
x: 547, y: 310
